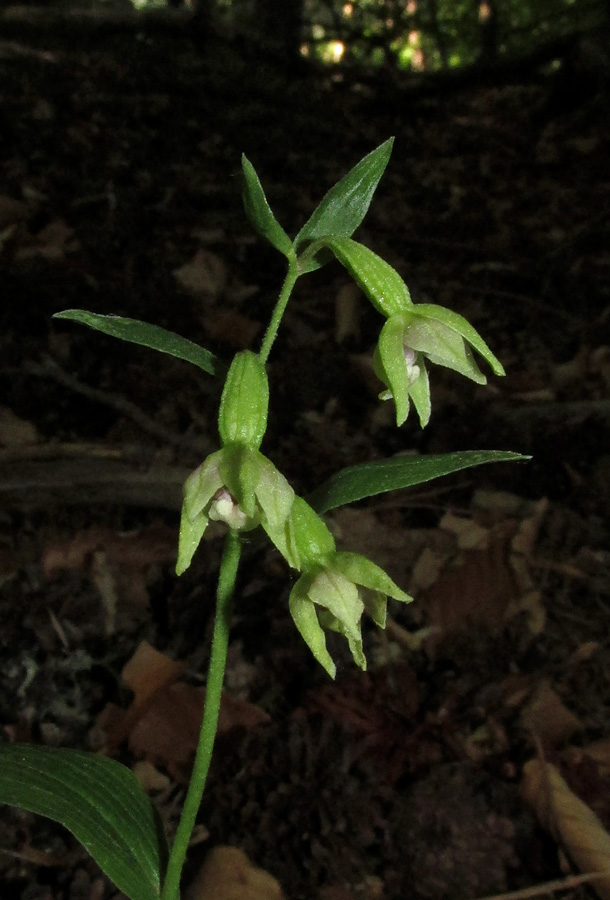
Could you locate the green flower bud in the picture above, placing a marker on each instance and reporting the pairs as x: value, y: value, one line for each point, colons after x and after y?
x: 245, y: 401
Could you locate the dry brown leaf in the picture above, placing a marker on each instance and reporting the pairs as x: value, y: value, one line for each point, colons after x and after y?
x: 570, y: 821
x: 584, y: 652
x: 167, y: 730
x: 148, y: 671
x: 149, y: 777
x: 228, y: 874
x: 526, y: 535
x: 204, y: 276
x: 231, y: 327
x: 145, y: 673
x: 479, y: 588
x: 162, y: 724
x: 468, y: 533
x: 370, y: 889
x: 140, y: 549
x: 11, y: 211
x: 16, y: 432
x: 105, y: 582
x: 599, y: 751
x: 118, y: 564
x: 548, y: 718
x: 427, y: 569
x: 489, y: 739
x: 531, y: 603
x: 52, y: 242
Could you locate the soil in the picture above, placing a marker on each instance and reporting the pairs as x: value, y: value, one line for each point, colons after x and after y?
x: 120, y: 193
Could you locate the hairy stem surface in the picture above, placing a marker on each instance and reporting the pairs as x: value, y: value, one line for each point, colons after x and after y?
x: 209, y: 724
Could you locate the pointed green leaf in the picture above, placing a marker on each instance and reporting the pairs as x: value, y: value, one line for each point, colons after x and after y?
x: 100, y: 802
x: 368, y: 479
x: 344, y: 207
x: 374, y: 276
x: 143, y: 333
x: 464, y: 328
x: 259, y: 212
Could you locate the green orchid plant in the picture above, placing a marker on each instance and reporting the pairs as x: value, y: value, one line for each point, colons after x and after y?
x: 98, y: 799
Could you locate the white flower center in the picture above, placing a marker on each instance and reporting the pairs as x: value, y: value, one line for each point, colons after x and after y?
x: 413, y: 370
x: 223, y: 508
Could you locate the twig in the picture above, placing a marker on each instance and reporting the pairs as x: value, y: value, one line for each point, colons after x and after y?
x: 549, y: 887
x: 50, y: 369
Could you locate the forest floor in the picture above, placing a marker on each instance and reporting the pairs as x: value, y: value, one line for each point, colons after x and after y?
x: 424, y: 777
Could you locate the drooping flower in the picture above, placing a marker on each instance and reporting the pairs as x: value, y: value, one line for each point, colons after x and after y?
x: 334, y: 596
x: 236, y: 485
x: 335, y: 588
x: 426, y: 332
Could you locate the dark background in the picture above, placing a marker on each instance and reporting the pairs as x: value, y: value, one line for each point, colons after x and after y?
x: 121, y: 132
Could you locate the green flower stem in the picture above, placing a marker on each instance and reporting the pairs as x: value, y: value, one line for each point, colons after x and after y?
x: 207, y: 735
x: 278, y: 312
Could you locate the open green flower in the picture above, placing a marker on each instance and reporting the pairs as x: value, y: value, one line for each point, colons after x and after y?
x: 335, y: 589
x: 334, y: 595
x: 236, y: 485
x: 426, y: 332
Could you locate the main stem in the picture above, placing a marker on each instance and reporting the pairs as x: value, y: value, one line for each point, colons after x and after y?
x: 209, y: 724
x: 278, y: 312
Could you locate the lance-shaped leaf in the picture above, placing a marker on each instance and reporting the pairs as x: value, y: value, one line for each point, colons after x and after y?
x: 344, y: 207
x: 368, y: 479
x: 100, y: 802
x: 136, y: 332
x: 259, y: 212
x: 377, y: 278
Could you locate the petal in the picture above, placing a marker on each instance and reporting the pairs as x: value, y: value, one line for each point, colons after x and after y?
x: 420, y: 395
x: 274, y: 494
x: 340, y: 597
x: 305, y: 618
x: 355, y: 644
x: 376, y: 605
x: 390, y: 357
x: 191, y: 532
x: 464, y: 328
x: 202, y: 484
x: 313, y: 539
x: 283, y: 539
x: 443, y: 346
x: 240, y: 470
x: 361, y: 570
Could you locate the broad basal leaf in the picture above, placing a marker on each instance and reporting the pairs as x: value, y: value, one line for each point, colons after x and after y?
x: 344, y: 207
x: 100, y: 802
x: 143, y: 333
x: 368, y: 479
x: 259, y: 212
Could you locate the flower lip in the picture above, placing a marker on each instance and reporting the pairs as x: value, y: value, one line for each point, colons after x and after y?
x: 224, y: 508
